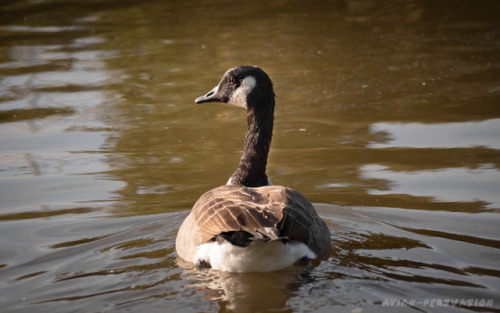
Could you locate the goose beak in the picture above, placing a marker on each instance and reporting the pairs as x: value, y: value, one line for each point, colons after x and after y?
x: 211, y: 96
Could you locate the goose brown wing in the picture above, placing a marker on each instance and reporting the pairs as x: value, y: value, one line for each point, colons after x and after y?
x: 274, y: 212
x: 301, y: 222
x: 233, y: 208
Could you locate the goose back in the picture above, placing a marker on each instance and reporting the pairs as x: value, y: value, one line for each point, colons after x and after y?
x: 244, y: 214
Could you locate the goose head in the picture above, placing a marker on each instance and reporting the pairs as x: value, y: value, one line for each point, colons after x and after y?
x: 251, y: 88
x: 244, y: 86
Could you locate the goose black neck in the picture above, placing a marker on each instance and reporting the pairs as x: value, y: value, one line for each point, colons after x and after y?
x: 251, y: 171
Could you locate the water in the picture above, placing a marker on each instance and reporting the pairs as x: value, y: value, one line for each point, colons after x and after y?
x: 388, y: 119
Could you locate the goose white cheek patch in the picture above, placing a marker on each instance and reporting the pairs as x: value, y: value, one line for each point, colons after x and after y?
x: 239, y: 97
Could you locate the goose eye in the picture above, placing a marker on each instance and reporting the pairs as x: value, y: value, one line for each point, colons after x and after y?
x: 233, y: 81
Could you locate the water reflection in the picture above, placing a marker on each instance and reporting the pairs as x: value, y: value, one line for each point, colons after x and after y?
x: 50, y: 91
x: 448, y: 135
x: 451, y: 184
x: 245, y: 292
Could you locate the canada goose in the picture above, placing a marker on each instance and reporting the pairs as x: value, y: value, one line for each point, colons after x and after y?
x: 249, y: 225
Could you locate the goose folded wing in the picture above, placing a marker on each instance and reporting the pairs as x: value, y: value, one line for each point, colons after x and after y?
x: 241, y: 215
x: 227, y: 209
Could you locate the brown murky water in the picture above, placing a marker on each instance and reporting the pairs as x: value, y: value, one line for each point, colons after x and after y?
x: 388, y: 118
